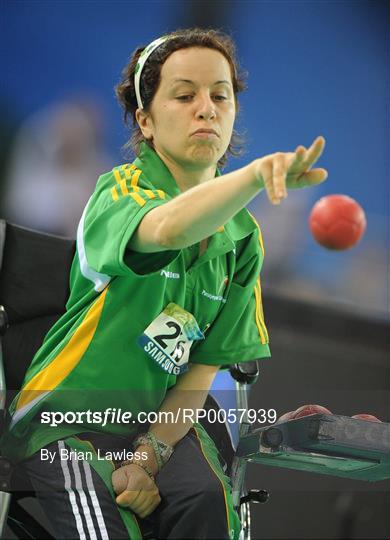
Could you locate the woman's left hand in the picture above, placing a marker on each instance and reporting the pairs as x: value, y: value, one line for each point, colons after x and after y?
x: 135, y: 490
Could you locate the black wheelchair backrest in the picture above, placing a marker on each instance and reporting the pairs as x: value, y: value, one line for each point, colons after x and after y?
x: 34, y: 288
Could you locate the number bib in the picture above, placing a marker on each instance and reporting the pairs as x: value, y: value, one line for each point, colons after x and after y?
x: 168, y: 339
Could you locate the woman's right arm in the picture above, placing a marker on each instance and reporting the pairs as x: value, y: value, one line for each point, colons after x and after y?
x: 198, y: 213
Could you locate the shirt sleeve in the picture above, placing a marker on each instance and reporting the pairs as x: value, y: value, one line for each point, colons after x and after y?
x: 238, y: 333
x: 111, y: 217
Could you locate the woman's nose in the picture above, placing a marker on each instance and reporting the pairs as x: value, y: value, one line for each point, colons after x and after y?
x: 206, y: 108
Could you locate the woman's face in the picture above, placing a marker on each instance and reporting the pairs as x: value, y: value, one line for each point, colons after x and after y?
x: 192, y: 113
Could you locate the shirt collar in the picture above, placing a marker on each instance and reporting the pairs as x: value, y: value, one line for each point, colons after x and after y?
x: 156, y: 171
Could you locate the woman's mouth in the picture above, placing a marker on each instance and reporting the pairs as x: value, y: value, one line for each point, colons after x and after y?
x: 205, y: 134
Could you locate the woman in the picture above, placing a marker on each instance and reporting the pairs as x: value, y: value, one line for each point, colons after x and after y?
x: 164, y: 290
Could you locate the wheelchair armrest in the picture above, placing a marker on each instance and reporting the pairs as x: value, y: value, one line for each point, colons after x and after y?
x: 245, y: 372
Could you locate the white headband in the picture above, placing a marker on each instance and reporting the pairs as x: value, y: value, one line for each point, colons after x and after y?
x: 140, y: 65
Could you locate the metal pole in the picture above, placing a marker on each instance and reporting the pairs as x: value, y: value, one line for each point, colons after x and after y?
x: 239, y: 465
x: 5, y: 499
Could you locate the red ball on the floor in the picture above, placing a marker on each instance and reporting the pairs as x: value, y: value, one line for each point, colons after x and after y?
x: 306, y: 410
x: 337, y: 222
x: 368, y: 417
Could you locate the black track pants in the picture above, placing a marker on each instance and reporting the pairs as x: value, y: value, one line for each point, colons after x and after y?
x: 77, y: 497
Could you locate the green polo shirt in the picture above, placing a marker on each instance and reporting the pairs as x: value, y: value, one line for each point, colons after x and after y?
x: 91, y: 358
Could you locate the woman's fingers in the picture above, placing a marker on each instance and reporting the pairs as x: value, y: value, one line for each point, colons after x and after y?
x: 307, y: 178
x: 148, y: 506
x: 279, y: 172
x: 127, y: 498
x: 119, y: 480
x: 300, y: 151
x: 140, y: 502
x: 266, y: 170
x: 297, y: 158
x: 313, y: 153
x: 270, y: 190
x: 273, y: 171
x: 291, y: 169
x: 312, y: 177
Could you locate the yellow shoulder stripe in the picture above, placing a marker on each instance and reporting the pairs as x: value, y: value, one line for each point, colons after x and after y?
x: 117, y: 175
x: 123, y: 186
x: 259, y: 315
x: 135, y: 176
x: 260, y: 235
x: 123, y: 175
x: 114, y: 193
x: 59, y: 368
x: 138, y: 199
x: 127, y: 170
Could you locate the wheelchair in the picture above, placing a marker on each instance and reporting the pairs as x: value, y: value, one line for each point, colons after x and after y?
x: 33, y: 292
x: 34, y: 287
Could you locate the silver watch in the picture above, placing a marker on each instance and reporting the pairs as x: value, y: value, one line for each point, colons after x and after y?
x: 162, y: 450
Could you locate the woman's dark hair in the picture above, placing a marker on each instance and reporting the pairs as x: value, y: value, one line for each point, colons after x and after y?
x: 150, y: 79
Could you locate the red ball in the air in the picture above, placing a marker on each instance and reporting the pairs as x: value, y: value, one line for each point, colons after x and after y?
x: 337, y: 222
x: 368, y: 417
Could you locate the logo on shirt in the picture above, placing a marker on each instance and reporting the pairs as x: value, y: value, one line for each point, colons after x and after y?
x: 215, y: 297
x: 170, y: 275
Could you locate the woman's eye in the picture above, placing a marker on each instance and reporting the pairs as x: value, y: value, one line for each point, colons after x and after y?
x: 186, y: 97
x: 220, y: 98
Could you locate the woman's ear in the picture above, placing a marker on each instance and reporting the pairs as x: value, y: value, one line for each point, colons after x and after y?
x: 145, y: 123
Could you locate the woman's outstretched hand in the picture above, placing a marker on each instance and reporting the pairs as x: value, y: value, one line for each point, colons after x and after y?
x: 290, y: 170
